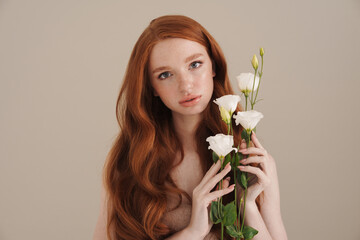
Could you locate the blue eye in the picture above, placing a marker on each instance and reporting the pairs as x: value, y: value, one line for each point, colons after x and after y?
x: 195, y: 64
x: 164, y: 75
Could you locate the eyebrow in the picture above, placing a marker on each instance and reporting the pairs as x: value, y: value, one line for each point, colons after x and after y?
x: 188, y: 59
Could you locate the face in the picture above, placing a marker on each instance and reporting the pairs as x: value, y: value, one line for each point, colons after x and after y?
x: 181, y: 74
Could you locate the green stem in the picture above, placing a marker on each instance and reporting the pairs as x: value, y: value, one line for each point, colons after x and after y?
x: 260, y: 75
x: 235, y: 187
x: 242, y: 224
x: 252, y: 92
x: 221, y: 184
x: 243, y: 219
x: 246, y: 102
x: 235, y: 184
x: 239, y: 213
x: 221, y: 163
x: 222, y: 230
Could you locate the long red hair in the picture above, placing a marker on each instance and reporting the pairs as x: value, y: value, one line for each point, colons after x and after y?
x: 143, y: 153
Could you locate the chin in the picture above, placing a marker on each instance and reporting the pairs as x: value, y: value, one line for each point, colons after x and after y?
x: 195, y: 111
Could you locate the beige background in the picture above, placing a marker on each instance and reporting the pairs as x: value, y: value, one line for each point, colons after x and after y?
x: 61, y: 66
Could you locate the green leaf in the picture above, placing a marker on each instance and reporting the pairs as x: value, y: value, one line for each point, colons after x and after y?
x: 231, y: 230
x: 235, y: 160
x: 238, y: 175
x: 249, y: 232
x: 229, y: 214
x: 214, y: 214
x: 243, y: 179
x: 215, y: 157
x: 227, y: 159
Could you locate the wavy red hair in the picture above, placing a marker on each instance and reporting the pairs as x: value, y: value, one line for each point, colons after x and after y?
x: 143, y: 154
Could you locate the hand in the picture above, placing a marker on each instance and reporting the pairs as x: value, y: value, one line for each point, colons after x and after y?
x: 200, y: 223
x: 263, y: 173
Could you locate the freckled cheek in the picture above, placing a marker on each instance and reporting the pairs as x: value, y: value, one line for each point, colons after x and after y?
x: 167, y: 93
x: 203, y: 77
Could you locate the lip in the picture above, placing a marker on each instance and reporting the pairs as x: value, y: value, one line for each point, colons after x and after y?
x: 190, y: 100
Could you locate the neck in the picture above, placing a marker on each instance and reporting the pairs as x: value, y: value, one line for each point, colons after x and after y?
x: 185, y: 127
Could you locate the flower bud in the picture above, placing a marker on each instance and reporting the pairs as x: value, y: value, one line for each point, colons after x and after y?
x: 255, y: 62
x: 225, y: 115
x: 261, y: 52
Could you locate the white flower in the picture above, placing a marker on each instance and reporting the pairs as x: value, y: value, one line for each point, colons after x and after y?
x: 229, y: 102
x: 227, y: 105
x: 246, y: 82
x: 221, y: 144
x: 248, y: 119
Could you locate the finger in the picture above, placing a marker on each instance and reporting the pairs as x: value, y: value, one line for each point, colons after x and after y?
x: 225, y: 183
x: 253, y: 150
x: 255, y: 140
x: 217, y: 194
x: 214, y: 180
x: 253, y: 159
x: 211, y: 172
x: 254, y: 170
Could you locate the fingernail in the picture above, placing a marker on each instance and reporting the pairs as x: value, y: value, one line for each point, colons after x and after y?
x: 242, y: 167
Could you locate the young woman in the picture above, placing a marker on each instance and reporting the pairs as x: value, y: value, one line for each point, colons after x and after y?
x: 159, y: 177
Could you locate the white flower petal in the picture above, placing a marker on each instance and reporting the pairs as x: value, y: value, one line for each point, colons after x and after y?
x: 246, y: 82
x: 248, y: 119
x: 229, y: 102
x: 221, y: 144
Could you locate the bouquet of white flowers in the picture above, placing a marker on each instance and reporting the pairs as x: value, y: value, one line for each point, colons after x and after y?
x: 222, y: 146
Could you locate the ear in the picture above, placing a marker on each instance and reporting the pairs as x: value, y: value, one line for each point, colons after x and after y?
x: 213, y: 68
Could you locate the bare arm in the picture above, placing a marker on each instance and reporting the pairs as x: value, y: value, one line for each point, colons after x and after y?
x: 254, y: 219
x: 273, y: 221
x: 268, y: 183
x: 270, y: 209
x: 100, y: 229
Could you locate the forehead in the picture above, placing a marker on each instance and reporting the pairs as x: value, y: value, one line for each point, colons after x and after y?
x: 172, y: 50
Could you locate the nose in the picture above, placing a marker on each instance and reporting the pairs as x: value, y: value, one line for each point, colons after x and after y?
x: 185, y: 83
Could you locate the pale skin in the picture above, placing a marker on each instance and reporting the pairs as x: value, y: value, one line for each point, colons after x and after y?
x: 180, y: 78
x: 268, y: 221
